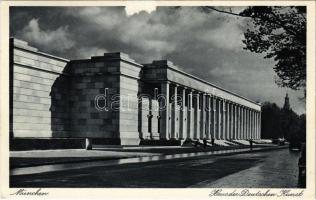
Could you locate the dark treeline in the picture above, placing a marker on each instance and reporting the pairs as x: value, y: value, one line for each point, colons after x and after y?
x: 282, y: 123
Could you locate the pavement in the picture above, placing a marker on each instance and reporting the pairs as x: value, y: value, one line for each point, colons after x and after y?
x: 269, y: 168
x: 33, y: 162
x: 43, y: 157
x: 279, y: 170
x: 20, y: 159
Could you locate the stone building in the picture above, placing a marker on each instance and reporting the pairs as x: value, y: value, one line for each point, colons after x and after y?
x: 112, y: 99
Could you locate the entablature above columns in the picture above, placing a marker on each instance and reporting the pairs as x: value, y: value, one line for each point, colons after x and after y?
x: 183, y: 79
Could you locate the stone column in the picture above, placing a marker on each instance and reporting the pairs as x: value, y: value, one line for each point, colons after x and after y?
x: 248, y: 123
x: 219, y: 121
x: 242, y: 112
x: 237, y: 122
x: 259, y: 125
x: 215, y: 103
x: 209, y: 116
x: 256, y: 125
x: 252, y: 124
x: 190, y: 115
x: 228, y: 120
x: 197, y: 116
x: 213, y: 135
x: 224, y: 120
x: 164, y: 111
x: 240, y: 122
x: 244, y: 122
x: 155, y: 115
x: 183, y: 130
x: 203, y: 116
x: 174, y: 113
x: 231, y: 120
x: 254, y: 135
x: 198, y: 104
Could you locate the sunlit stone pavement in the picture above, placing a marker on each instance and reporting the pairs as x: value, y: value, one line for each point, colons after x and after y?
x: 277, y: 170
x: 274, y: 168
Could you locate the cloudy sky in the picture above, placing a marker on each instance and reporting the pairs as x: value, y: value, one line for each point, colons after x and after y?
x: 208, y: 45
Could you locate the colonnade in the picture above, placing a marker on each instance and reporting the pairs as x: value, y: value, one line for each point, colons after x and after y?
x: 192, y: 114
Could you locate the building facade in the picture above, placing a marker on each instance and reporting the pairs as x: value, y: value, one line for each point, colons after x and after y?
x: 112, y: 99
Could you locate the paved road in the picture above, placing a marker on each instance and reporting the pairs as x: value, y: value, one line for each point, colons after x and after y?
x: 277, y: 168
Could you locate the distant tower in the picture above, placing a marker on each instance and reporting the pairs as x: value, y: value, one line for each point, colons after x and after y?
x: 286, y: 105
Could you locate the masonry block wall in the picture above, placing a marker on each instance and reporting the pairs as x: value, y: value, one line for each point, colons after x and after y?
x: 89, y: 80
x: 130, y: 74
x: 115, y: 77
x: 52, y: 97
x: 38, y: 93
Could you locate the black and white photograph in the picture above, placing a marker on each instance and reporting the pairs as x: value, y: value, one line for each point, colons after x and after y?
x: 160, y: 96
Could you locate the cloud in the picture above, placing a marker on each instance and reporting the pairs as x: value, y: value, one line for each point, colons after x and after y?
x: 227, y: 36
x: 207, y: 45
x: 136, y: 7
x: 87, y: 52
x: 50, y: 39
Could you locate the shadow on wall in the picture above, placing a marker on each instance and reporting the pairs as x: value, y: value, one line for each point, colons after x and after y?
x: 38, y: 100
x: 61, y: 103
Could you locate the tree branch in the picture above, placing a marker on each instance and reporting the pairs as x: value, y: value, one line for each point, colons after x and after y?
x: 278, y: 22
x: 281, y: 23
x: 303, y: 16
x: 226, y: 12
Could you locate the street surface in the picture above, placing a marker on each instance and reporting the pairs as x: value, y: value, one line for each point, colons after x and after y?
x: 274, y: 168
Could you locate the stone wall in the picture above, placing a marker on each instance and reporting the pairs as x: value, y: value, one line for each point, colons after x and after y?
x: 115, y: 77
x: 130, y: 74
x: 51, y: 97
x: 89, y: 80
x: 38, y: 93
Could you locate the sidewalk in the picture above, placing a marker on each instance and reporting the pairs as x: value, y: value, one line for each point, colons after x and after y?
x: 278, y: 170
x: 44, y: 157
x: 20, y: 159
x: 114, y: 162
